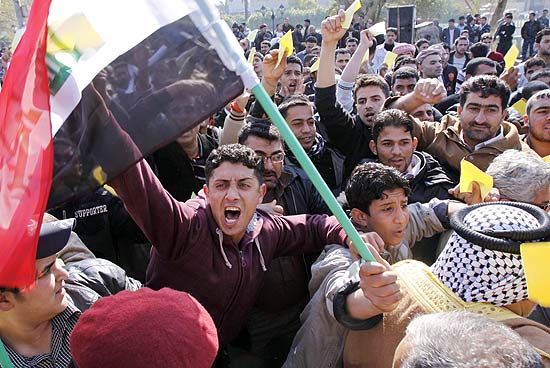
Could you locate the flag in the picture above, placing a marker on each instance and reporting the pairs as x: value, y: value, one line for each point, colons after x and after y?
x: 25, y: 152
x: 108, y: 82
x: 122, y: 87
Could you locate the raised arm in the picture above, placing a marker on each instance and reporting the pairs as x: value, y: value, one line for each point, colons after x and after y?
x: 332, y: 32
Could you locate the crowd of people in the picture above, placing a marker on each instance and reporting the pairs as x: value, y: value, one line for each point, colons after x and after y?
x: 217, y: 249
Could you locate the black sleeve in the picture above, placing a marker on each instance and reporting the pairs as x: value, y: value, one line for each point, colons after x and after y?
x: 341, y: 314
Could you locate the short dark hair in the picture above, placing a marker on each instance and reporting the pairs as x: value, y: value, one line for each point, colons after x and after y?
x: 368, y: 182
x: 473, y: 65
x: 544, y: 94
x: 293, y: 59
x: 341, y: 51
x: 391, y: 29
x: 486, y: 85
x: 420, y: 42
x: 309, y: 59
x: 401, y: 60
x: 366, y: 80
x: 479, y: 50
x: 452, y: 20
x: 352, y: 39
x: 261, y: 128
x: 545, y: 72
x: 265, y: 42
x: 393, y: 118
x: 461, y: 17
x: 311, y: 39
x: 541, y: 34
x: 533, y: 87
x: 534, y: 61
x: 294, y: 100
x: 463, y: 38
x: 404, y: 73
x: 237, y: 154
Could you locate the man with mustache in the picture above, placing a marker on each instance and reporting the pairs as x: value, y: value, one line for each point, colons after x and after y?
x: 479, y: 134
x: 275, y: 318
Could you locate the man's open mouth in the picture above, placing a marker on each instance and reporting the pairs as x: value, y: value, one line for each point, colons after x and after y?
x: 232, y: 215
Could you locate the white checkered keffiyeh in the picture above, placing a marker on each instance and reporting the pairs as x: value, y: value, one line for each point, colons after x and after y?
x: 477, y: 274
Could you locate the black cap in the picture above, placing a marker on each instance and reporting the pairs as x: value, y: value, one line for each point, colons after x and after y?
x: 53, y: 237
x: 508, y: 15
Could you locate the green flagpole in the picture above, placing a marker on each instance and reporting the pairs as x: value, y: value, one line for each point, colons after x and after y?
x: 311, y: 170
x: 217, y: 32
x: 5, y: 361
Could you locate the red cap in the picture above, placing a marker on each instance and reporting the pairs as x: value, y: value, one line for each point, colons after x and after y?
x: 145, y: 328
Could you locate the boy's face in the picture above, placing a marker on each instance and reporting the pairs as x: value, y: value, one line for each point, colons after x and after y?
x: 389, y: 216
x: 395, y: 147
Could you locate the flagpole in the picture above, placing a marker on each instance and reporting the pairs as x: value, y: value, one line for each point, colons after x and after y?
x: 238, y: 63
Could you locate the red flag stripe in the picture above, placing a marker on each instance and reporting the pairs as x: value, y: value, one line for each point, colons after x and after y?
x: 26, y: 151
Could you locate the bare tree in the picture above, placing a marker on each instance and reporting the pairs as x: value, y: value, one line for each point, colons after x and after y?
x: 497, y: 14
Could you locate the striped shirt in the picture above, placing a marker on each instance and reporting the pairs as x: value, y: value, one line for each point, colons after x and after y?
x: 60, y: 356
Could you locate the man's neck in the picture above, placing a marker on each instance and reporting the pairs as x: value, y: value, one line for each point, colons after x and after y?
x: 191, y: 148
x: 459, y: 55
x: 541, y: 148
x: 28, y: 339
x: 546, y: 58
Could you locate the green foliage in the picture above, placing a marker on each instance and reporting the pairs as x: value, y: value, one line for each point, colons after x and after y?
x: 434, y: 9
x: 295, y: 15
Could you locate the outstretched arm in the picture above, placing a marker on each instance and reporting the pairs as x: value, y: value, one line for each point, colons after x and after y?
x: 332, y: 31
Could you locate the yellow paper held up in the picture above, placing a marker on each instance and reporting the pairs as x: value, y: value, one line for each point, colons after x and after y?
x: 389, y: 59
x: 378, y: 29
x: 470, y: 173
x: 366, y: 57
x: 251, y: 55
x: 285, y: 44
x: 521, y: 106
x: 252, y: 35
x: 546, y: 159
x: 534, y: 257
x: 356, y: 5
x: 315, y: 66
x: 511, y: 56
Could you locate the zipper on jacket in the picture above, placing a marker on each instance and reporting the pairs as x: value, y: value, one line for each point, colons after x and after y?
x: 243, y: 263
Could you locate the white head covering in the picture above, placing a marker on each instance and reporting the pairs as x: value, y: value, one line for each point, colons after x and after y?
x: 477, y: 274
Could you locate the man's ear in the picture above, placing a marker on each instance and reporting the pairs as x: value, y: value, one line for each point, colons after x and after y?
x: 526, y: 120
x: 205, y: 189
x: 5, y: 301
x: 459, y: 109
x: 263, y: 190
x: 415, y: 143
x: 359, y: 217
x: 372, y: 146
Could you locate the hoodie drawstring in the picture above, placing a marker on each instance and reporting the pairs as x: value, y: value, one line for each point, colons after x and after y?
x: 220, y: 238
x: 262, y: 262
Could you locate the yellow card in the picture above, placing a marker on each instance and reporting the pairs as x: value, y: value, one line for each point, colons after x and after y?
x: 470, y: 173
x: 511, y: 56
x: 285, y: 44
x: 520, y: 106
x: 356, y: 5
x: 315, y: 66
x: 251, y: 56
x: 366, y: 57
x: 389, y: 60
x: 252, y: 35
x: 546, y: 159
x: 378, y: 29
x: 534, y: 257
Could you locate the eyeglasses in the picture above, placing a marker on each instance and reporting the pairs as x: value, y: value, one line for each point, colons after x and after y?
x: 275, y: 158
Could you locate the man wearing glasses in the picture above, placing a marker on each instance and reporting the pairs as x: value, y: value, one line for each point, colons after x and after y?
x: 275, y: 318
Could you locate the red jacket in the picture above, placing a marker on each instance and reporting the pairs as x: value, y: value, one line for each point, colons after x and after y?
x: 188, y: 249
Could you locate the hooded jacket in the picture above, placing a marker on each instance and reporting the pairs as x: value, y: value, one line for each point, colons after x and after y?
x: 190, y: 253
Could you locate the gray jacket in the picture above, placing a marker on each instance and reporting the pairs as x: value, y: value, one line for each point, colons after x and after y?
x: 320, y: 341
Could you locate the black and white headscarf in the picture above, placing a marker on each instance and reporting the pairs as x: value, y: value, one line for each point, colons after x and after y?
x: 477, y: 274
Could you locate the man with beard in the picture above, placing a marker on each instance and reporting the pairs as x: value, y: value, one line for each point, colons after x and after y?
x: 430, y: 64
x: 275, y: 319
x: 350, y: 134
x: 537, y: 120
x: 298, y: 113
x: 478, y: 135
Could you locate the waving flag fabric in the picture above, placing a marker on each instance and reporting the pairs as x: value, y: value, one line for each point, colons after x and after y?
x: 118, y: 79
